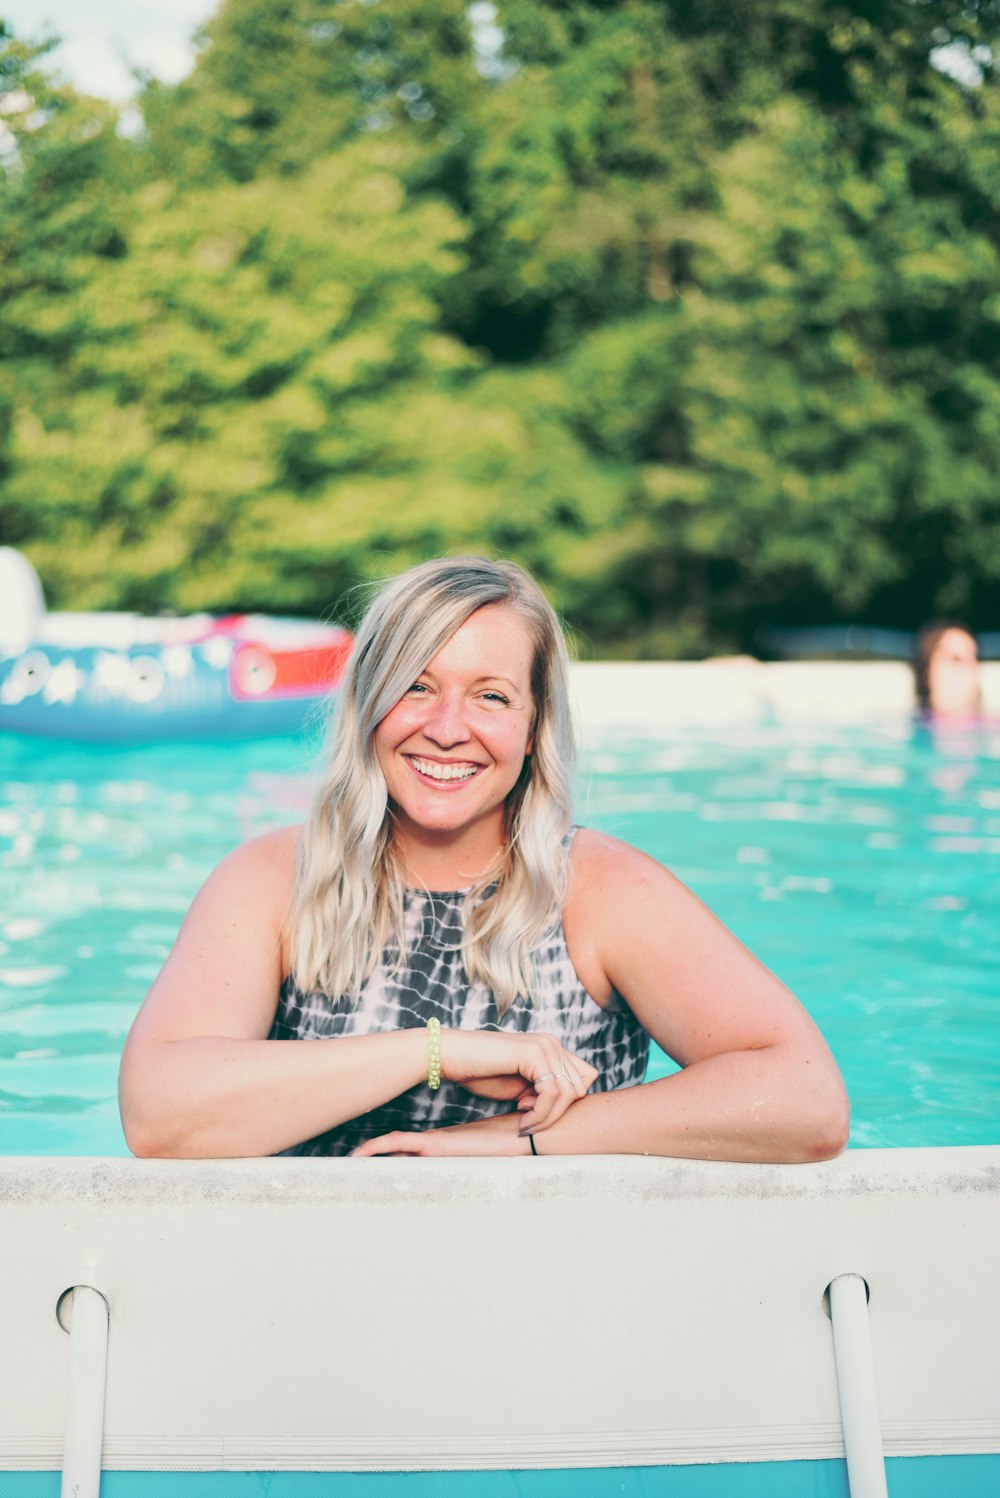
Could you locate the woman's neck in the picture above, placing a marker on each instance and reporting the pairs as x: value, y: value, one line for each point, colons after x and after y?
x: 446, y: 866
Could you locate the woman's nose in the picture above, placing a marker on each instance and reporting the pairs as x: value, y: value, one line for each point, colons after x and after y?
x: 446, y: 724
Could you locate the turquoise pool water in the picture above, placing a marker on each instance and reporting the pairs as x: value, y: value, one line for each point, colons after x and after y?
x: 863, y: 865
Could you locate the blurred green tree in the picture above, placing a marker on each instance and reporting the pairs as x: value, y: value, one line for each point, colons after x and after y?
x: 203, y: 408
x: 693, y: 309
x: 280, y: 83
x: 60, y: 217
x: 223, y: 417
x: 759, y: 247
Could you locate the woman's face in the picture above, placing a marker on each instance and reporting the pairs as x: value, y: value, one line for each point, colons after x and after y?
x: 953, y: 674
x: 453, y: 747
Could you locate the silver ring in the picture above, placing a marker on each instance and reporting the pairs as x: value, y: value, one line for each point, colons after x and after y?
x: 564, y: 1073
x: 549, y: 1076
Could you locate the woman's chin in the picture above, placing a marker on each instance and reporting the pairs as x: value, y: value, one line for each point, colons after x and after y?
x: 448, y: 821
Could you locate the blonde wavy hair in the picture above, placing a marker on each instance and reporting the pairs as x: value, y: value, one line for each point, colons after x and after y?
x: 347, y: 900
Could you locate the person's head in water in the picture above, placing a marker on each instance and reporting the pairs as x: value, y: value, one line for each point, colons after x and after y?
x: 946, y: 667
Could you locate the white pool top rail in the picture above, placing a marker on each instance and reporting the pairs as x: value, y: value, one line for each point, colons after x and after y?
x: 665, y: 693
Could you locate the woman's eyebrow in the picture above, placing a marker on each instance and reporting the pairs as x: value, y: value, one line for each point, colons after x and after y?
x: 479, y: 680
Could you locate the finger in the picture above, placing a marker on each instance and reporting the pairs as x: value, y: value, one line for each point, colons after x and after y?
x: 370, y: 1147
x: 571, y: 1077
x: 396, y: 1143
x: 544, y: 1114
x: 568, y: 1094
x: 556, y: 1091
x: 564, y: 1063
x: 501, y: 1088
x: 568, y: 1081
x: 580, y: 1072
x: 545, y: 1057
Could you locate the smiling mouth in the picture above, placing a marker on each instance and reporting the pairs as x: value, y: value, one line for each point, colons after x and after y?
x: 449, y: 774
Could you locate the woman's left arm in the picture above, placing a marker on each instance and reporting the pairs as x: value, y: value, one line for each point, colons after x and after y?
x: 758, y: 1081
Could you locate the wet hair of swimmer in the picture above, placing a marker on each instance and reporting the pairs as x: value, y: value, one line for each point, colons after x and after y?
x: 925, y: 647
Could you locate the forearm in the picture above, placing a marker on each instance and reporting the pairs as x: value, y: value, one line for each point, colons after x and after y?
x: 765, y: 1105
x: 218, y: 1097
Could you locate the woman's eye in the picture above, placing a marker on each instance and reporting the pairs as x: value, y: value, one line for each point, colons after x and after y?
x: 417, y: 686
x: 497, y: 697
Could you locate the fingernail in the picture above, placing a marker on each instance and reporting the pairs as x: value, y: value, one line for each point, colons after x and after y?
x: 523, y: 1133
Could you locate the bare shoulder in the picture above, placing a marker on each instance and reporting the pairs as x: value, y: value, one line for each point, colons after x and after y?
x: 248, y: 893
x: 223, y: 975
x: 603, y: 867
x: 688, y: 980
x: 613, y: 891
x: 270, y: 857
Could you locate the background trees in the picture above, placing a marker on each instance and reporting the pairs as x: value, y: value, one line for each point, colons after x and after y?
x: 694, y: 310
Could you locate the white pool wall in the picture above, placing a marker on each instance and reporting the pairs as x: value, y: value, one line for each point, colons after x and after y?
x: 379, y: 1315
x: 667, y: 693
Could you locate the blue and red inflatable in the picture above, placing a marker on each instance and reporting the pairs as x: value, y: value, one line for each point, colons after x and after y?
x: 126, y: 678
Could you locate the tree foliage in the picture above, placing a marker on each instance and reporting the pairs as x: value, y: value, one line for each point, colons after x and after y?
x: 693, y: 309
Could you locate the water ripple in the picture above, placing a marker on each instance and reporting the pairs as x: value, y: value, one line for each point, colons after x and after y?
x: 863, y: 867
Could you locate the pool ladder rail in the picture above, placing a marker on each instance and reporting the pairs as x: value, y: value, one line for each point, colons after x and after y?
x: 847, y: 1297
x: 83, y: 1312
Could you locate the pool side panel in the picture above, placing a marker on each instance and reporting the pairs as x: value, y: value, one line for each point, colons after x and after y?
x: 606, y: 1312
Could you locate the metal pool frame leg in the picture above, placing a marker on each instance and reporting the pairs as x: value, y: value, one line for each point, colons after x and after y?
x: 87, y: 1325
x: 852, y: 1352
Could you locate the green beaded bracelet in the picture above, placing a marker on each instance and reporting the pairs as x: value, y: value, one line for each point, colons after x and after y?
x: 434, y: 1054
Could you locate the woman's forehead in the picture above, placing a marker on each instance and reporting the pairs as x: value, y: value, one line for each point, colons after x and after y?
x: 495, y: 640
x: 957, y: 642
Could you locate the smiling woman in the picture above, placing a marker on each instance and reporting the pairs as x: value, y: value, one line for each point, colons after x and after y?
x: 455, y: 745
x: 485, y: 976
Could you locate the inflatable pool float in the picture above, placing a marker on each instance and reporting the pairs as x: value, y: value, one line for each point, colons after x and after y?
x: 129, y: 678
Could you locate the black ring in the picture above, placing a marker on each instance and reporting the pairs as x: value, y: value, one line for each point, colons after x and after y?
x: 531, y: 1141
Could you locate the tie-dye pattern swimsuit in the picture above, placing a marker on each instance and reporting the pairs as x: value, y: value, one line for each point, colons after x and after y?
x: 431, y: 981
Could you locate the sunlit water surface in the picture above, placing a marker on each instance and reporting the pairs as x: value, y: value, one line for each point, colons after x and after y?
x: 863, y: 866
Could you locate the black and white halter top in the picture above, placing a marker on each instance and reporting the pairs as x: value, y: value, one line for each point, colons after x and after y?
x: 431, y: 981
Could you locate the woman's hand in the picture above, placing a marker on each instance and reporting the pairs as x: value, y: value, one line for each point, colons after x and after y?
x: 504, y: 1090
x: 529, y: 1066
x: 487, y: 1136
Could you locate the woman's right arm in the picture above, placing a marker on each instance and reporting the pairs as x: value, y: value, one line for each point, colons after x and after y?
x: 199, y: 1077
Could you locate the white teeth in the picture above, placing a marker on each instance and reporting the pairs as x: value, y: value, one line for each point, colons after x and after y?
x: 444, y: 772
